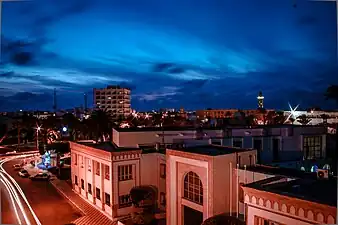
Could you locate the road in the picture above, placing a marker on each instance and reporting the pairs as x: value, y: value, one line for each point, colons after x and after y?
x: 47, y: 204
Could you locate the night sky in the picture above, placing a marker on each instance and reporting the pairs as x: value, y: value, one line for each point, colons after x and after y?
x: 171, y: 53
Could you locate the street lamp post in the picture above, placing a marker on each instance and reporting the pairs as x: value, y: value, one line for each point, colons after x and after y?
x: 37, y: 137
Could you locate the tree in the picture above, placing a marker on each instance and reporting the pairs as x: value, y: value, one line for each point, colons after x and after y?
x: 292, y: 120
x: 279, y: 118
x: 102, y: 124
x: 303, y: 119
x: 72, y: 123
x: 324, y: 118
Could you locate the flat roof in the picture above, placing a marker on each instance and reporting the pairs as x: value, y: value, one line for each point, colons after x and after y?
x: 289, y: 172
x: 211, y: 150
x: 320, y: 191
x: 188, y: 128
x: 108, y: 146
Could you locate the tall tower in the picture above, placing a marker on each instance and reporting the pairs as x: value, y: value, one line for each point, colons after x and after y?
x: 260, y: 100
x: 54, y: 101
x: 85, y: 102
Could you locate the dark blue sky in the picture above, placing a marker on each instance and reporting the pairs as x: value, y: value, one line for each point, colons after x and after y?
x: 172, y: 53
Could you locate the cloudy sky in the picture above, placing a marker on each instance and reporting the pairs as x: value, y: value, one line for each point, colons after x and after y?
x: 171, y: 53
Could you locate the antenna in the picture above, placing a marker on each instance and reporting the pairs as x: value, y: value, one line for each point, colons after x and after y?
x: 54, y: 103
x: 85, y: 101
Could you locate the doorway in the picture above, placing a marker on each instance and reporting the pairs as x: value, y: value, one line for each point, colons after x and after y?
x: 275, y: 149
x: 258, y: 144
x: 192, y: 216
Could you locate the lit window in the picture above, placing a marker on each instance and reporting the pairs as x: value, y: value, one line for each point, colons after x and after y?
x: 193, y: 189
x: 124, y: 201
x: 106, y: 172
x: 312, y: 147
x: 125, y: 172
x: 162, y: 170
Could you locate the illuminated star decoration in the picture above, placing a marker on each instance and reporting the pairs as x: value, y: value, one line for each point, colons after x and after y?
x: 293, y: 112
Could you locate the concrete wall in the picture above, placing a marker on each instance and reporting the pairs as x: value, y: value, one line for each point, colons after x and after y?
x: 150, y: 173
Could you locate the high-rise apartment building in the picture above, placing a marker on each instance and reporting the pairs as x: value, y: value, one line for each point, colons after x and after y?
x: 113, y: 98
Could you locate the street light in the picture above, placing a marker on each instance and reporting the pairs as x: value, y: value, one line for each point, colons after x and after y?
x: 38, y: 128
x: 64, y: 129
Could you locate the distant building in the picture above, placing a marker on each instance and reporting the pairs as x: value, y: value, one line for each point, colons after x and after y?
x: 115, y: 99
x: 299, y: 201
x: 314, y: 117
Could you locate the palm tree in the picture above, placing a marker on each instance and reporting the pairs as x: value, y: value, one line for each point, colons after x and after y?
x: 102, y: 122
x: 324, y: 118
x: 332, y: 94
x: 303, y: 119
x: 292, y: 120
x: 279, y: 118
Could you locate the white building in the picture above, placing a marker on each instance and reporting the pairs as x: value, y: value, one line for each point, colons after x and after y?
x: 300, y: 201
x: 115, y: 99
x: 315, y: 117
x: 104, y: 174
x: 274, y: 143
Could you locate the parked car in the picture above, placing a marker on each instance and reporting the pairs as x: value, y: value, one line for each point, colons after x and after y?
x: 40, y: 176
x: 17, y: 167
x: 23, y: 173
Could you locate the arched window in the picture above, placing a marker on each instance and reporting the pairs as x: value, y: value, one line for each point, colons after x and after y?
x: 193, y: 189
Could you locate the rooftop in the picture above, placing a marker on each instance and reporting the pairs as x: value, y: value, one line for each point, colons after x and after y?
x: 289, y: 172
x: 107, y: 146
x: 211, y: 150
x: 314, y: 190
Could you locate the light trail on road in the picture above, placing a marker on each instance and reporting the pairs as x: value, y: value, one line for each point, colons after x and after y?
x: 14, y: 190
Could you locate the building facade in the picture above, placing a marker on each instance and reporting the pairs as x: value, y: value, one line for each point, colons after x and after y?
x: 199, y: 185
x: 115, y: 99
x: 104, y: 175
x: 274, y: 143
x: 272, y: 201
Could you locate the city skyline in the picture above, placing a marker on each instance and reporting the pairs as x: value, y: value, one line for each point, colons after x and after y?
x: 206, y: 55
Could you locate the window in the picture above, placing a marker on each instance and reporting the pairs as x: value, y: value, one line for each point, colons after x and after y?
x: 193, y: 189
x: 262, y: 221
x: 75, y: 159
x: 82, y: 184
x: 250, y: 160
x: 124, y: 201
x: 98, y: 194
x: 125, y: 172
x: 237, y: 143
x: 162, y: 170
x: 97, y: 168
x: 162, y: 199
x: 106, y: 172
x: 312, y: 147
x: 89, y: 165
x: 76, y: 183
x: 107, y: 199
x: 89, y: 188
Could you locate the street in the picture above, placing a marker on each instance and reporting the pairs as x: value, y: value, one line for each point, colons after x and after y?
x: 49, y: 206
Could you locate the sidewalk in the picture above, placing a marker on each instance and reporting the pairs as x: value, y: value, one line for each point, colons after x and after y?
x: 91, y: 214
